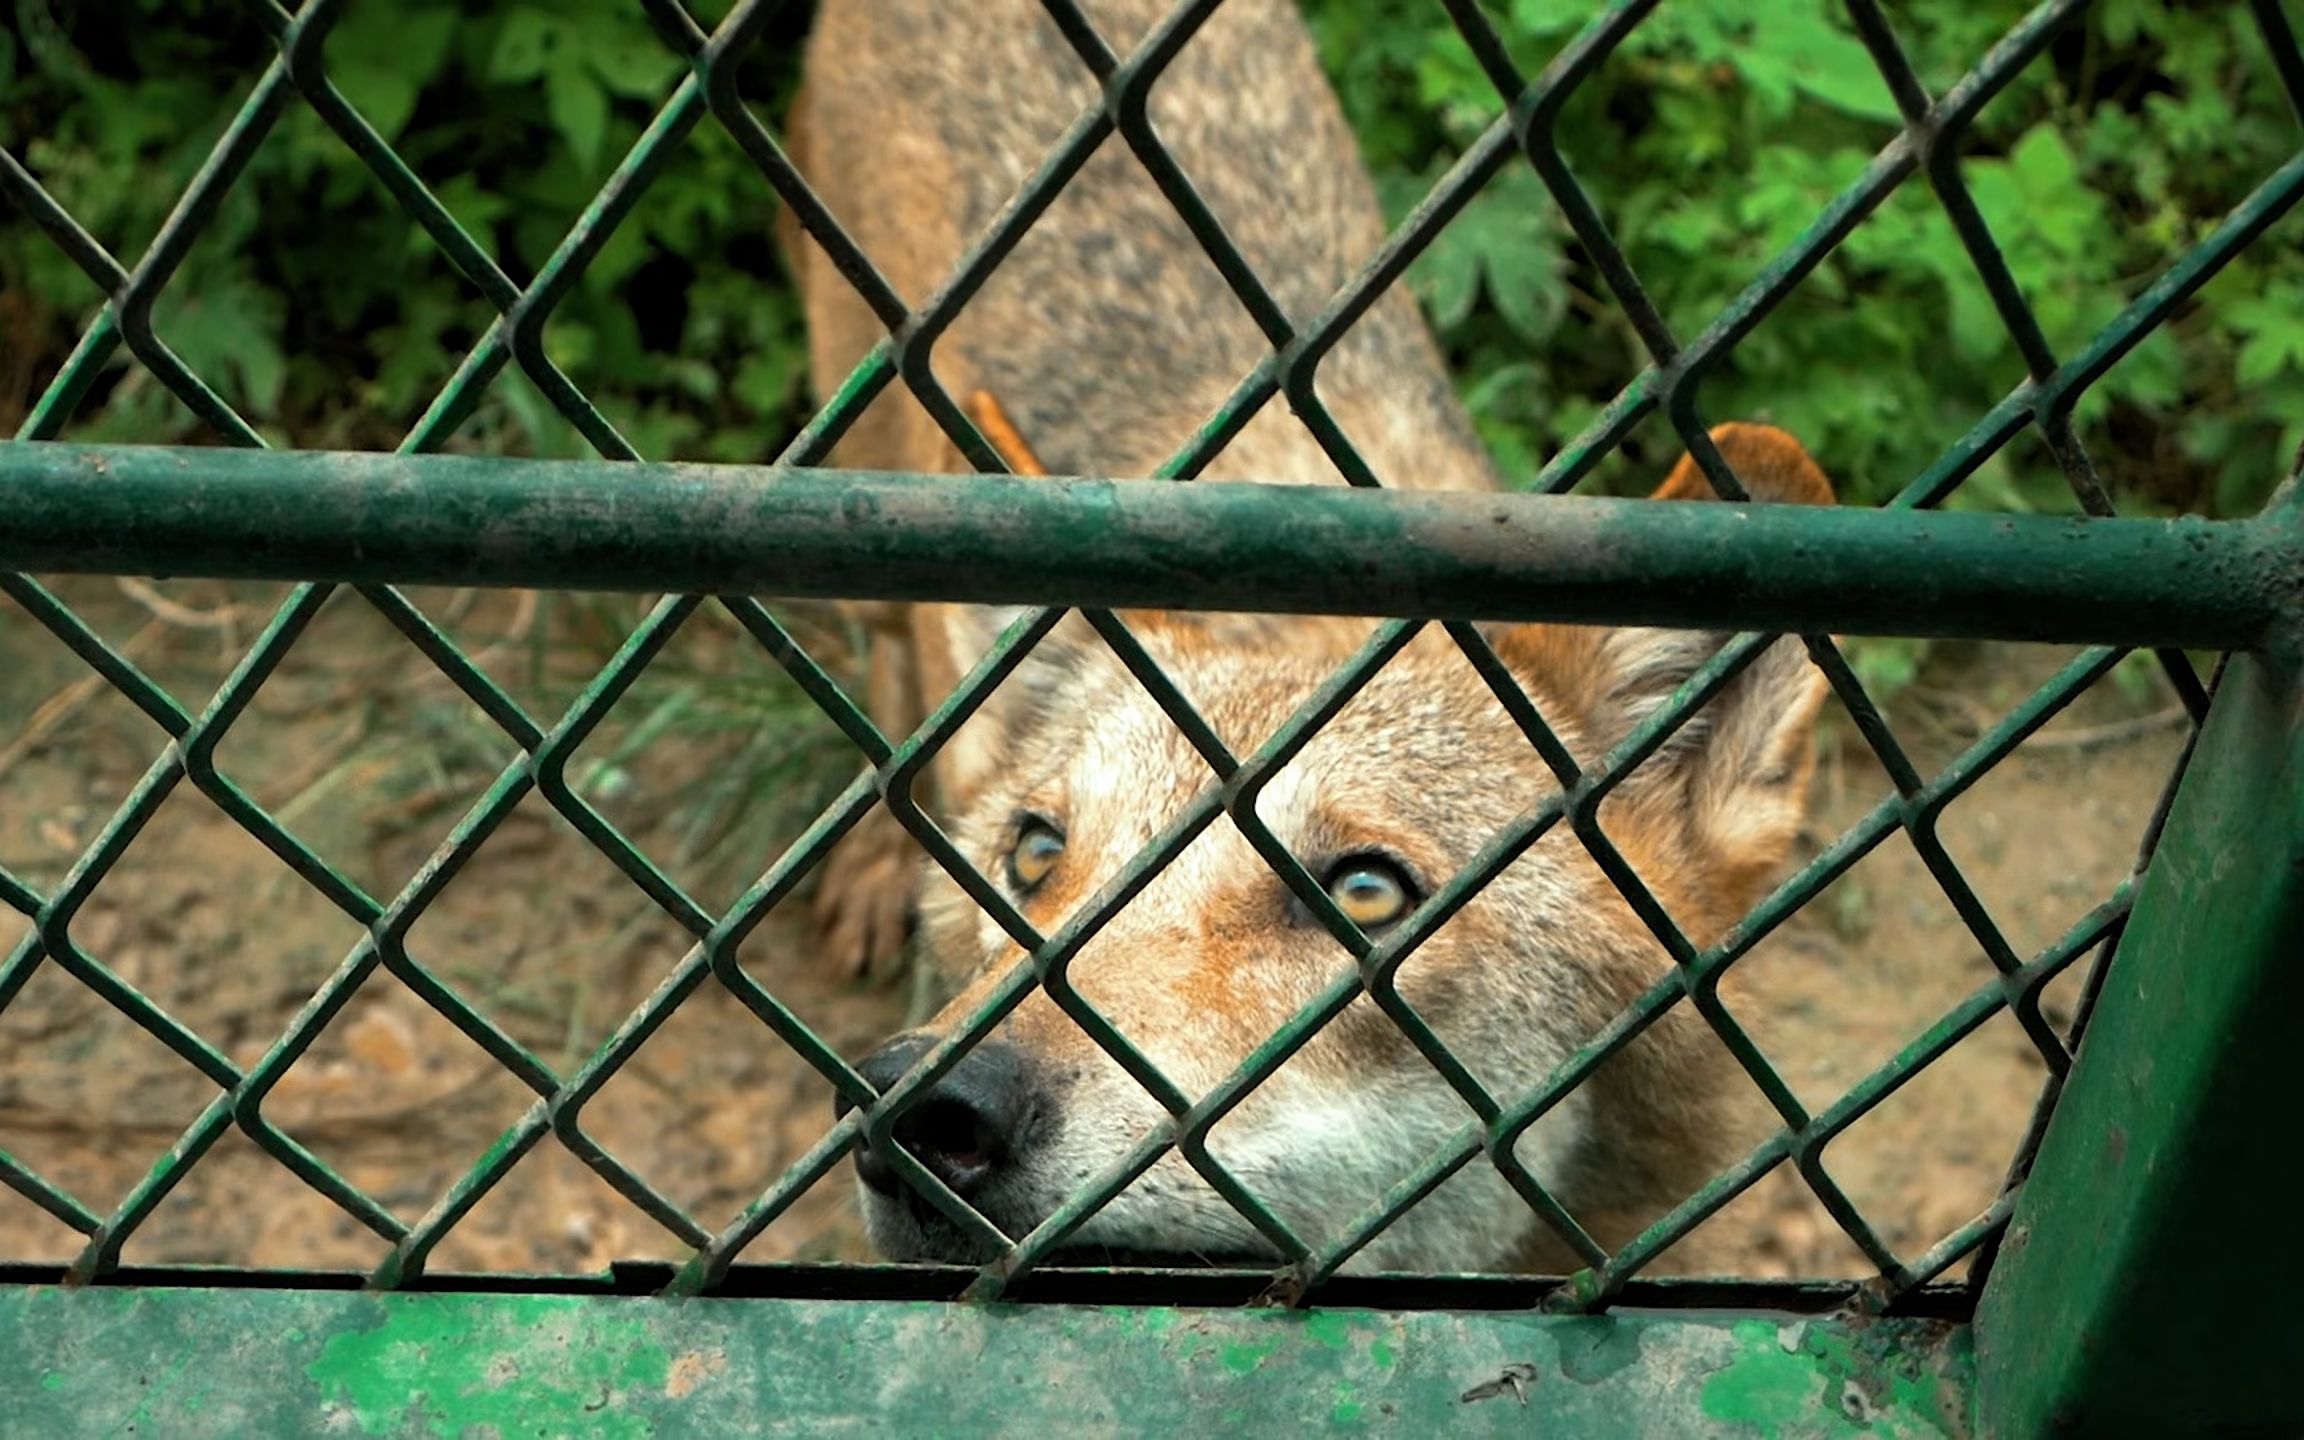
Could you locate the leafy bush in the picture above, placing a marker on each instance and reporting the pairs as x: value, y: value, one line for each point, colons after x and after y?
x: 1720, y: 130
x: 1708, y: 142
x: 318, y: 308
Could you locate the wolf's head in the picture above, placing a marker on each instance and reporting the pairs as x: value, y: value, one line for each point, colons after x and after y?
x: 1420, y: 770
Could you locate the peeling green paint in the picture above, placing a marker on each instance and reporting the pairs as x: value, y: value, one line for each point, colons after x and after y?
x: 1594, y: 1347
x: 1764, y: 1382
x: 430, y: 1369
x: 230, y: 1363
x: 1850, y: 1376
x: 1243, y: 1357
x: 1329, y: 1328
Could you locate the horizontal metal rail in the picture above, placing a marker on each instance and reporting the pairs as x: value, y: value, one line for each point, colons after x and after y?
x: 100, y: 1360
x: 800, y: 532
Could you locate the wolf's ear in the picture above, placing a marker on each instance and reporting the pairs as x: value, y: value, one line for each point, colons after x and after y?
x: 951, y: 639
x: 1738, y: 769
x: 1736, y: 772
x: 1733, y: 779
x: 1772, y: 465
x: 969, y: 631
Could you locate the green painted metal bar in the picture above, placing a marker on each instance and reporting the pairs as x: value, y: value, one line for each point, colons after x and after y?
x: 804, y: 532
x: 239, y: 1362
x: 2169, y: 1143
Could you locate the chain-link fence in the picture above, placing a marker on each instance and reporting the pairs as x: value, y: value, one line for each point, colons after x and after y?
x: 328, y: 521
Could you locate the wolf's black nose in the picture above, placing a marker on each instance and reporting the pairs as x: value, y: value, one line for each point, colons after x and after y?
x: 965, y: 1128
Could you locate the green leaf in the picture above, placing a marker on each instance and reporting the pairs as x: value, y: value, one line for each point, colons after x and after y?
x: 2152, y: 376
x: 474, y: 209
x: 1447, y: 278
x: 1503, y: 241
x: 382, y: 58
x: 627, y: 57
x: 579, y: 109
x: 2043, y: 162
x: 1885, y: 665
x: 2123, y: 22
x: 383, y: 93
x: 1456, y: 91
x: 547, y: 432
x: 525, y: 46
x: 697, y: 380
x: 570, y: 344
x: 1526, y: 291
x: 624, y: 251
x: 1772, y: 77
x: 1712, y: 30
x: 2273, y: 310
x: 2269, y: 354
x: 1494, y: 391
x: 263, y: 371
x: 767, y: 380
x: 227, y: 329
x: 1829, y: 64
x: 1550, y: 17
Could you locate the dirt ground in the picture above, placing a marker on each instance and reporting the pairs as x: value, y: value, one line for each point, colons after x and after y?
x: 368, y: 754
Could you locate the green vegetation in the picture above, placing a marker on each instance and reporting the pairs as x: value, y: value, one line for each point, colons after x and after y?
x: 1714, y: 137
x: 323, y: 313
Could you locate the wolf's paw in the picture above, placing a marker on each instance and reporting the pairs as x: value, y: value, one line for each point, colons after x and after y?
x: 864, y: 903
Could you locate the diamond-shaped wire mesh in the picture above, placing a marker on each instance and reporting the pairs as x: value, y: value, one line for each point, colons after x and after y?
x: 543, y: 744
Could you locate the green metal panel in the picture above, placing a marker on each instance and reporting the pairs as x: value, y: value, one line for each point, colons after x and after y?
x: 1333, y: 550
x: 2142, y: 1287
x: 236, y: 1363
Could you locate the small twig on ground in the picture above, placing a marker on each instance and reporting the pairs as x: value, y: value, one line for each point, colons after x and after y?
x: 1976, y: 718
x: 346, y: 765
x: 2118, y: 732
x: 340, y: 1125
x: 224, y: 617
x: 517, y: 633
x: 69, y: 701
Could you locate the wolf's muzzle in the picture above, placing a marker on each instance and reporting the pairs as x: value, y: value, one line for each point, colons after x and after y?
x: 969, y: 1128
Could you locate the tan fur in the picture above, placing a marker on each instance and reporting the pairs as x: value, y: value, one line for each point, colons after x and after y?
x: 1100, y: 345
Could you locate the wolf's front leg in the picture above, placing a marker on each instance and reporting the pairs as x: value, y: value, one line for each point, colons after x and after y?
x: 865, y: 895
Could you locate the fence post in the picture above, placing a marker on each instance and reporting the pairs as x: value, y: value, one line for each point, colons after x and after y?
x: 2146, y: 1286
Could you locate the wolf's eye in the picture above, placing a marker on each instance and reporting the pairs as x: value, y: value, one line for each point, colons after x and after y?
x: 1373, y: 892
x: 1038, y: 847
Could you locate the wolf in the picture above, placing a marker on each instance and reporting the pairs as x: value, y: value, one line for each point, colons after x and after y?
x: 1099, y: 346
